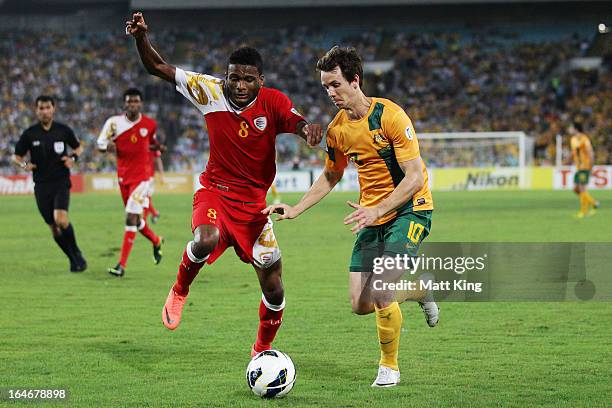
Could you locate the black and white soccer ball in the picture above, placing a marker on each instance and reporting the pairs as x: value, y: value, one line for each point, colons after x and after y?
x: 271, y: 374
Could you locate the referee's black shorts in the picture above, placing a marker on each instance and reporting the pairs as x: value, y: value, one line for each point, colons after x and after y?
x: 53, y: 195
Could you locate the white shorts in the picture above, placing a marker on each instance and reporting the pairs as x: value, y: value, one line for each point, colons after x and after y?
x: 139, y: 198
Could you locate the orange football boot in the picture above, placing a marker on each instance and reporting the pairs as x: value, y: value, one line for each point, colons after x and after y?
x: 171, y: 313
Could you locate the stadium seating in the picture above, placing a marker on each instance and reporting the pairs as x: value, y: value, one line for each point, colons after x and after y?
x: 447, y: 79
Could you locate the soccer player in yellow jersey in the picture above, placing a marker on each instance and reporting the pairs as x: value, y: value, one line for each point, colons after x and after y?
x: 582, y: 155
x: 395, y: 205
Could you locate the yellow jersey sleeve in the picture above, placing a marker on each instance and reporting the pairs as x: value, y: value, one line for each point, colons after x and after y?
x: 400, y: 131
x: 335, y: 159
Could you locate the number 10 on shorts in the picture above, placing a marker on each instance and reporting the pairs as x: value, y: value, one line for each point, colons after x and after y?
x: 415, y: 231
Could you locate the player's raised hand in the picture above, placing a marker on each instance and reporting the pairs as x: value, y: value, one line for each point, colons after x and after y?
x: 313, y: 133
x: 362, y: 217
x: 284, y: 211
x: 136, y: 26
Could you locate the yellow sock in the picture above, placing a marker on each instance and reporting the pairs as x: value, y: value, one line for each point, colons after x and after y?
x: 584, y: 202
x: 274, y: 191
x: 389, y: 326
x: 590, y: 200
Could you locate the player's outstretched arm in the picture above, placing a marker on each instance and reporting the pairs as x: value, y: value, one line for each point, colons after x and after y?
x: 152, y: 61
x: 319, y: 189
x: 312, y: 133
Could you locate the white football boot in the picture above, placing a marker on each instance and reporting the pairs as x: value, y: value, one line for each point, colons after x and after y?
x: 428, y: 306
x: 431, y: 312
x: 387, y: 377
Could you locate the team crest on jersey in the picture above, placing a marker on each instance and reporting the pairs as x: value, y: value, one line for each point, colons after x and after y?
x: 379, y: 138
x: 144, y: 132
x: 58, y: 147
x: 260, y: 123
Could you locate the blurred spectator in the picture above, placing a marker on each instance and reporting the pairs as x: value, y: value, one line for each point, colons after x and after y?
x: 463, y: 81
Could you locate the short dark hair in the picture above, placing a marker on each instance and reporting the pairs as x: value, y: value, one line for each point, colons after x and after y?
x: 44, y: 98
x: 132, y: 92
x: 578, y: 125
x: 247, y: 56
x: 346, y: 58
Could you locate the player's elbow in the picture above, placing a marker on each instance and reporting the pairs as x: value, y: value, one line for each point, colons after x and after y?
x: 153, y: 69
x: 419, y: 181
x: 162, y: 71
x: 333, y: 177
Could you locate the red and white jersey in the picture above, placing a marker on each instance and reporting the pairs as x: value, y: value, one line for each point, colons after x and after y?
x: 133, y: 142
x: 242, y: 162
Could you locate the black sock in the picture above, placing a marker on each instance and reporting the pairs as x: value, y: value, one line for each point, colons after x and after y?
x: 63, y: 244
x: 70, y: 238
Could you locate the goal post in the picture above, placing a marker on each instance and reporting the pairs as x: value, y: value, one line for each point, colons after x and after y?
x: 501, y: 150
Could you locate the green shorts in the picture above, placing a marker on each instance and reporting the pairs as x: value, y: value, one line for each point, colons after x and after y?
x: 581, y: 177
x: 402, y: 235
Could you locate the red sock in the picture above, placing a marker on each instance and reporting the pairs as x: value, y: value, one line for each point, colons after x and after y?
x: 269, y: 323
x: 128, y: 243
x: 188, y: 270
x: 148, y: 232
x: 152, y: 209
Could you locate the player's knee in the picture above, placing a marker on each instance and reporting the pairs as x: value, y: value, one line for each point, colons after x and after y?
x: 205, y: 241
x: 275, y: 296
x: 61, y: 221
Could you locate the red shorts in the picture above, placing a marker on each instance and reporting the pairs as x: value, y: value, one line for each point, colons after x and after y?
x: 135, y: 196
x: 126, y: 190
x: 241, y: 225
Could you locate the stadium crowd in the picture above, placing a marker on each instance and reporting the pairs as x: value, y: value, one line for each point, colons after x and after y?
x: 466, y: 81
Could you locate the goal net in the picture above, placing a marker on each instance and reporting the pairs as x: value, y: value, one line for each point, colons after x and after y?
x: 502, y: 156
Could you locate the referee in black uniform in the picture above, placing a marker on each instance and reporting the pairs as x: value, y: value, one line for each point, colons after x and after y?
x: 48, y: 143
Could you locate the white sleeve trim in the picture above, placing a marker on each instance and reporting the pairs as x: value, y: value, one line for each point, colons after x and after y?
x: 203, y: 91
x: 104, y: 138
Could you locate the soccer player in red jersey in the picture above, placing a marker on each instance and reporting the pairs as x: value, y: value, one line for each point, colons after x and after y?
x: 243, y: 119
x: 133, y: 136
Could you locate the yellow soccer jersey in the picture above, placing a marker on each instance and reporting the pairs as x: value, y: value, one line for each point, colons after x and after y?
x: 581, y: 148
x: 375, y: 144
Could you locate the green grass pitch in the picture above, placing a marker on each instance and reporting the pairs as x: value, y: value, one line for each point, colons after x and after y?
x: 102, y: 337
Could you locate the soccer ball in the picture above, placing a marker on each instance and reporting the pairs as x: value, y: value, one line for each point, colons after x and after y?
x: 271, y: 374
